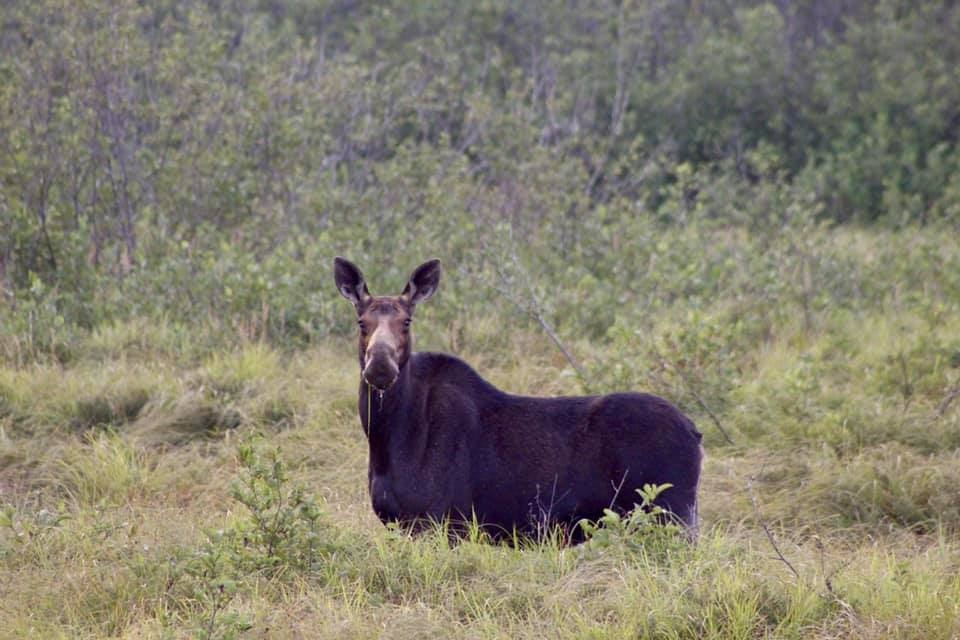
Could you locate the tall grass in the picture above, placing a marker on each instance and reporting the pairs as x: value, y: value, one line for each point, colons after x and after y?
x: 834, y: 513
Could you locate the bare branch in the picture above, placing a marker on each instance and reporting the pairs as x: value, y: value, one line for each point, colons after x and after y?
x: 696, y: 396
x: 766, y: 529
x: 531, y: 305
x: 703, y: 405
x: 952, y: 395
x: 828, y: 577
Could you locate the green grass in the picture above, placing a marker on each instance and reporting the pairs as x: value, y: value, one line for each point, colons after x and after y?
x: 120, y: 517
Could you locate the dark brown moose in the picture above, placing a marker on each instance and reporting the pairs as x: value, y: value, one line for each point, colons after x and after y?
x: 447, y: 444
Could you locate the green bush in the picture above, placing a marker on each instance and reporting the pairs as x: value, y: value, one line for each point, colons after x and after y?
x: 281, y: 534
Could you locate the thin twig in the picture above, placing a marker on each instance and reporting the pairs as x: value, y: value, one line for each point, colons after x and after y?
x: 618, y: 488
x: 532, y: 307
x: 696, y: 396
x: 827, y: 577
x: 952, y: 395
x: 716, y: 420
x: 536, y: 311
x: 906, y: 387
x: 556, y: 340
x: 766, y: 529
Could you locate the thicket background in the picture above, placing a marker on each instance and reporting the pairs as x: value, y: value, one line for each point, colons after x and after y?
x: 751, y: 208
x: 207, y: 158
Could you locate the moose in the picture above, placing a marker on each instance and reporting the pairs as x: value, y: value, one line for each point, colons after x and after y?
x: 446, y: 445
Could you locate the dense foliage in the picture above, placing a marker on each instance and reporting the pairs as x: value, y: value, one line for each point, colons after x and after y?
x: 205, y: 160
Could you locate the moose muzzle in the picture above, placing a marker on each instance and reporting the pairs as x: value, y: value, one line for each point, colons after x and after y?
x: 380, y: 366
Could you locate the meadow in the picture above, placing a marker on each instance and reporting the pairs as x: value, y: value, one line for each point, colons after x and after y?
x: 748, y: 207
x: 160, y: 484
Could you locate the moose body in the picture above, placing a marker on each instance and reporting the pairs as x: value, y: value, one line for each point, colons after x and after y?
x: 446, y: 444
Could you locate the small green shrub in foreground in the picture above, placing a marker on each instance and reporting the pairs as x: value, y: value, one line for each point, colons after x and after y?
x: 281, y: 534
x: 641, y: 530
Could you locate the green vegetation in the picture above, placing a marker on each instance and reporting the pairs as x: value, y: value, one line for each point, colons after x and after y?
x: 749, y: 208
x: 203, y: 160
x: 137, y: 527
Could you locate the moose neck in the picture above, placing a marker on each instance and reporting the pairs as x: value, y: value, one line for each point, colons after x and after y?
x: 385, y: 414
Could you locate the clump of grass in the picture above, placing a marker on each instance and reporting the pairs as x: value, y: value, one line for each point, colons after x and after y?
x: 184, y: 419
x: 902, y: 594
x: 157, y: 339
x: 134, y: 339
x: 249, y: 381
x: 241, y: 371
x: 112, y: 409
x: 41, y: 400
x: 882, y: 489
x: 893, y: 487
x: 107, y: 469
x: 863, y: 380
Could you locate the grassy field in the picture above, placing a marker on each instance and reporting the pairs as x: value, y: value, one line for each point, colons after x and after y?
x: 162, y: 485
x: 750, y: 208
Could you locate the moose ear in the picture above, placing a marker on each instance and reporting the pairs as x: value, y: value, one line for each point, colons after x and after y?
x: 423, y: 282
x: 350, y: 282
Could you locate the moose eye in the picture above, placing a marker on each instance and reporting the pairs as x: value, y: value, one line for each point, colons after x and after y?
x: 407, y: 323
x: 363, y: 327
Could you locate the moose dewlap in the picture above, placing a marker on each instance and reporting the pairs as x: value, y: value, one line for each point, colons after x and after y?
x: 445, y: 444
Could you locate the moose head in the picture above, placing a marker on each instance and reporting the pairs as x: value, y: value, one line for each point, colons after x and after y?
x: 384, y: 322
